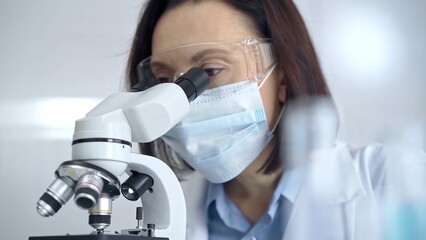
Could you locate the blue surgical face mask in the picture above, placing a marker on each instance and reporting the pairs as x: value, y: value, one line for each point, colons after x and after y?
x: 224, y: 132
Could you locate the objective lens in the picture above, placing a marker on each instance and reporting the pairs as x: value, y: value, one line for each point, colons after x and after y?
x: 58, y: 193
x: 88, y: 190
x: 100, y: 215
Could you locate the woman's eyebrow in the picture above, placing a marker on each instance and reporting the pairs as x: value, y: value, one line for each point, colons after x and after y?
x: 200, y: 55
x: 159, y: 64
x: 197, y: 57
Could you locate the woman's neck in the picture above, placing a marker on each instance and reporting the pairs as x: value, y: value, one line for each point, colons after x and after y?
x: 252, y: 191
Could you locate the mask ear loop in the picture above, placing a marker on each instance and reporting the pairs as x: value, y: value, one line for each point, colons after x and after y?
x: 267, y: 74
x: 265, y: 78
x: 279, y: 118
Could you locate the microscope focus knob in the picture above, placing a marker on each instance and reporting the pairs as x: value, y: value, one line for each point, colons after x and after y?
x: 139, y: 212
x: 151, y: 229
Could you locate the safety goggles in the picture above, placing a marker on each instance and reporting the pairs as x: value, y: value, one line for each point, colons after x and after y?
x: 224, y: 62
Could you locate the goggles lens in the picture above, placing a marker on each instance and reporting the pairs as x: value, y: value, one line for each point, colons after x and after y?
x: 224, y: 62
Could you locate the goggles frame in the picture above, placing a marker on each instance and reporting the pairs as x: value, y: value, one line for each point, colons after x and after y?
x: 259, y: 50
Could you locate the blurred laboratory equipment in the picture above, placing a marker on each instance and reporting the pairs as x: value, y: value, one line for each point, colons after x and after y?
x: 379, y: 189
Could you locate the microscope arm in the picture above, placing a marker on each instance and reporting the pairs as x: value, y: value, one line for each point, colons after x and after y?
x: 165, y: 204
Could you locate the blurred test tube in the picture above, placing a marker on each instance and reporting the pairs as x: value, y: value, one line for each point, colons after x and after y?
x: 309, y: 126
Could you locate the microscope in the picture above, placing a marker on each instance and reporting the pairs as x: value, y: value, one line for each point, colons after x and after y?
x: 101, y: 153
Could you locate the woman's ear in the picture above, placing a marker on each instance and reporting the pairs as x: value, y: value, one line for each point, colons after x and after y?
x: 282, y: 87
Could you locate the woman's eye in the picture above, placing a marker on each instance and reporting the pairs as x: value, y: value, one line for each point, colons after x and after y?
x: 211, y: 72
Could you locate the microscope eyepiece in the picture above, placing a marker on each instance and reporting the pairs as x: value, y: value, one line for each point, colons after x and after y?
x: 193, y: 82
x: 57, y: 194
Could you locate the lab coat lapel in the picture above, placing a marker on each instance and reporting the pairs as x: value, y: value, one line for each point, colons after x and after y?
x: 194, y: 188
x: 334, y: 216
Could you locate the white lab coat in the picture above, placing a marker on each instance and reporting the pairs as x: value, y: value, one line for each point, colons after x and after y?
x: 359, y: 182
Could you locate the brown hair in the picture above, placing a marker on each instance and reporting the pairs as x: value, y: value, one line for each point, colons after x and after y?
x: 278, y: 20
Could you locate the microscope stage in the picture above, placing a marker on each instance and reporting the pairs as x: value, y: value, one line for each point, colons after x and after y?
x: 96, y: 237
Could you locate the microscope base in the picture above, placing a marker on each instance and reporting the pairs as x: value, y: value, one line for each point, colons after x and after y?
x: 96, y: 237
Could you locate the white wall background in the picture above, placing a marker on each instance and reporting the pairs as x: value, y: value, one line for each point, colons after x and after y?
x: 58, y: 58
x: 373, y: 55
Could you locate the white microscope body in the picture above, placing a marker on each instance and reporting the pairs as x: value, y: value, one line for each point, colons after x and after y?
x: 101, y: 152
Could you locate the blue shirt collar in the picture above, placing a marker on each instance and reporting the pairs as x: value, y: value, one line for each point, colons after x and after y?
x: 288, y: 187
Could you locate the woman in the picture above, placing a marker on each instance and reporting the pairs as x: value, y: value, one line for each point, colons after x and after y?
x: 258, y: 56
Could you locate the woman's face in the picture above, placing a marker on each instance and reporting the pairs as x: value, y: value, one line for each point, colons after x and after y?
x: 213, y: 21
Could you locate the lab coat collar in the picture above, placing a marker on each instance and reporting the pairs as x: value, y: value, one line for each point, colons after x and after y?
x: 292, y: 181
x: 331, y: 183
x: 331, y: 176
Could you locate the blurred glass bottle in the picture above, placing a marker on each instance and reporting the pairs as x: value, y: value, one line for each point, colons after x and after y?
x: 404, y: 198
